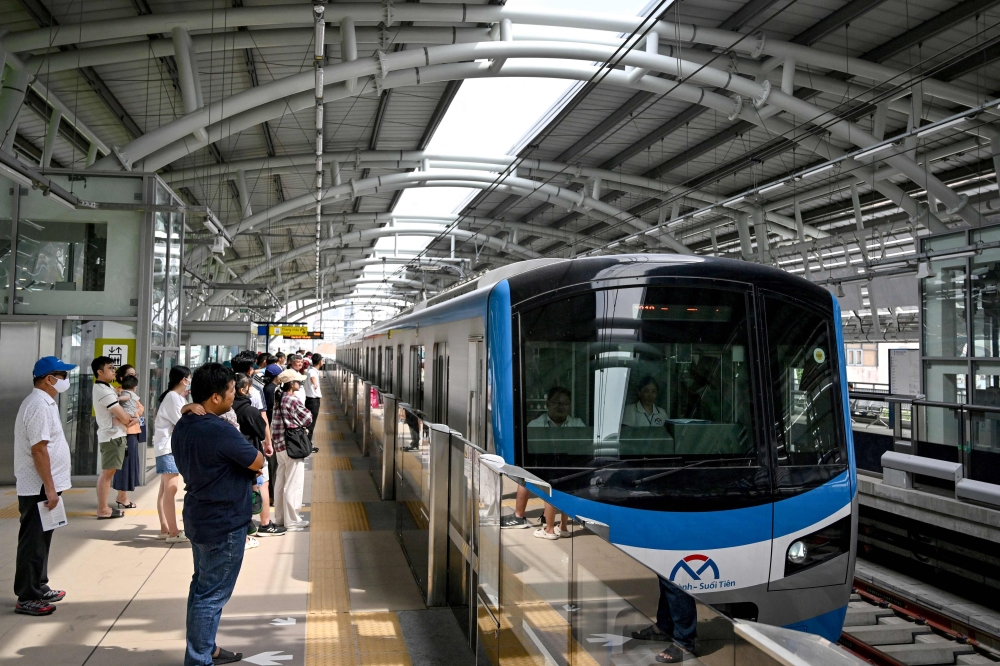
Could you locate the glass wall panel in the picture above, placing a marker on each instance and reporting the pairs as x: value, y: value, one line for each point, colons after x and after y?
x: 985, y: 293
x: 173, y: 302
x: 160, y: 260
x: 82, y: 341
x: 941, y: 432
x: 7, y: 191
x: 949, y: 242
x: 943, y: 309
x: 80, y: 262
x: 984, y: 433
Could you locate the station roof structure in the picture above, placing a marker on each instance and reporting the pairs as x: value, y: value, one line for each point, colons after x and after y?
x: 798, y: 133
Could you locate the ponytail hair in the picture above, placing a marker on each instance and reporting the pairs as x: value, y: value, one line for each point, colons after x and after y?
x: 178, y: 373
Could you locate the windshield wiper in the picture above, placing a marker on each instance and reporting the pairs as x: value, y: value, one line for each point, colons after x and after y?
x: 654, y: 477
x: 605, y: 466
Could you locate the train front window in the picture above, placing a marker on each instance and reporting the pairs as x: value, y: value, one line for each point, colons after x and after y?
x: 810, y: 446
x: 635, y: 394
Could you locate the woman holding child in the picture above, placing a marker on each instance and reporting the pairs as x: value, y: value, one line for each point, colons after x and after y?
x: 130, y: 475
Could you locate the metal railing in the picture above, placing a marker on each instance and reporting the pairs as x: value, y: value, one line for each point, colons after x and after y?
x: 952, y: 431
x: 570, y: 600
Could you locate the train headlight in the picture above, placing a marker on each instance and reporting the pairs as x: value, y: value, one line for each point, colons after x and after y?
x: 821, y: 546
x: 797, y: 553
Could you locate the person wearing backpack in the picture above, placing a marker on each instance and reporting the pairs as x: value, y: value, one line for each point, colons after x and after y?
x: 254, y: 429
x: 290, y: 436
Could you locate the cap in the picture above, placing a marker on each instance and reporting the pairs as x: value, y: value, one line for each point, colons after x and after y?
x: 274, y: 369
x: 49, y: 364
x: 290, y: 376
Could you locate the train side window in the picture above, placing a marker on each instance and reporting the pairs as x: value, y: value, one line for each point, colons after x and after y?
x: 441, y: 368
x: 399, y: 371
x: 387, y: 388
x: 810, y: 445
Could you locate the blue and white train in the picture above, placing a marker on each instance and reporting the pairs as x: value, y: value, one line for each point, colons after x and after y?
x: 697, y: 406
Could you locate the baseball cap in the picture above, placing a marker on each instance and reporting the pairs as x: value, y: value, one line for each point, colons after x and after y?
x: 49, y: 364
x: 274, y: 369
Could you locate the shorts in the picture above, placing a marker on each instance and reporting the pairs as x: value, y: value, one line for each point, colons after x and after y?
x: 113, y: 453
x: 264, y: 471
x: 165, y: 464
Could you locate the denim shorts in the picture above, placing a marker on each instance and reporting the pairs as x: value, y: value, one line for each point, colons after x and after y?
x: 165, y: 464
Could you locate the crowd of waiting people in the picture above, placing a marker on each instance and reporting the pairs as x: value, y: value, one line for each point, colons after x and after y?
x: 258, y: 414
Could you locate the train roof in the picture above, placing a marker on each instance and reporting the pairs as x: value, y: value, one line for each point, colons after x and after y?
x: 531, y: 278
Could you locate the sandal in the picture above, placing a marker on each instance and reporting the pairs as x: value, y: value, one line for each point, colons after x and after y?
x: 130, y: 505
x: 226, y: 657
x: 651, y: 633
x: 672, y: 654
x: 115, y: 513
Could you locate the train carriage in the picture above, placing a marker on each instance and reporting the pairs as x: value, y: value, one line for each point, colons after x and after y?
x: 696, y: 406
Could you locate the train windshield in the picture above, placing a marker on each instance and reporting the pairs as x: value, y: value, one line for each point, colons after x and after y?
x: 638, y: 393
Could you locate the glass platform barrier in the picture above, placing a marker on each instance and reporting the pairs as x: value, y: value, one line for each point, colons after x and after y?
x: 520, y: 599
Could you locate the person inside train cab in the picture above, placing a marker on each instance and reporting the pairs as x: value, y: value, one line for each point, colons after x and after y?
x: 558, y: 403
x: 644, y: 413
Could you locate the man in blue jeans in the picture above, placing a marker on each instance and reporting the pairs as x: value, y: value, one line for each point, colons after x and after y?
x: 218, y: 466
x: 676, y: 621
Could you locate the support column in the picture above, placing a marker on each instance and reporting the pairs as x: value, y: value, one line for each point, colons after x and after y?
x: 15, y: 84
x: 187, y: 77
x: 743, y: 228
x: 506, y: 35
x: 51, y: 132
x: 760, y: 231
x: 348, y: 46
x: 856, y: 200
x: 244, y: 194
x: 800, y: 227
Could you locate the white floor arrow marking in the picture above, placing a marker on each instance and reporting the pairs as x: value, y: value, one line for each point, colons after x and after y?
x: 268, y: 658
x: 282, y: 621
x: 609, y: 640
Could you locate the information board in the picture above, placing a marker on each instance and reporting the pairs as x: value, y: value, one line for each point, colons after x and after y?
x: 904, y: 371
x: 289, y: 330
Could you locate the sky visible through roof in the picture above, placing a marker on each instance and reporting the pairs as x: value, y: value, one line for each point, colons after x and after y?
x: 488, y: 116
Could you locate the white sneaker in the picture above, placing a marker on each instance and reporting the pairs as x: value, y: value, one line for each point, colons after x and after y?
x: 252, y: 543
x: 180, y: 538
x: 542, y: 534
x: 162, y: 536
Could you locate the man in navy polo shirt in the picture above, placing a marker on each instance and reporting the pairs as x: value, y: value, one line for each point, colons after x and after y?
x: 218, y: 466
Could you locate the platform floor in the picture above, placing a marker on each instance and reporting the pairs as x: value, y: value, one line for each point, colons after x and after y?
x: 339, y: 593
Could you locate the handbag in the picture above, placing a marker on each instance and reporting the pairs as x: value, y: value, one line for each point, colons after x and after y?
x: 297, y: 443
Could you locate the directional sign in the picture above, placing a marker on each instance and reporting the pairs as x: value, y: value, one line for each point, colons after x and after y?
x: 271, y: 658
x: 289, y: 330
x: 311, y: 335
x: 282, y: 621
x: 609, y: 640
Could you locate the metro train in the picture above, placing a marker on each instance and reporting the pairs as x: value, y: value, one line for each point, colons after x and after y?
x: 697, y: 406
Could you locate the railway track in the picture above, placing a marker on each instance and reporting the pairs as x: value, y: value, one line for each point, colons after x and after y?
x: 886, y: 629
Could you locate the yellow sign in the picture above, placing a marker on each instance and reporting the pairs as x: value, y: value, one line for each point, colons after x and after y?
x: 286, y: 331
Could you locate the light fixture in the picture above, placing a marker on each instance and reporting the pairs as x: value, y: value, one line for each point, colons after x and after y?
x: 872, y: 151
x: 703, y: 213
x: 15, y: 176
x: 771, y: 187
x: 58, y: 199
x: 840, y: 290
x: 935, y: 128
x: 924, y: 270
x: 810, y: 174
x: 734, y: 200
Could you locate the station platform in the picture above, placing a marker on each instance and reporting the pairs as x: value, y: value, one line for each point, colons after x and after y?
x: 339, y: 593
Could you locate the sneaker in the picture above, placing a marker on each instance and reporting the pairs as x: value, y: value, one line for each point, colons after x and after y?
x: 298, y: 527
x: 252, y: 528
x: 53, y: 596
x: 270, y: 530
x: 542, y: 534
x: 180, y: 538
x: 512, y: 522
x: 252, y: 543
x: 36, y: 607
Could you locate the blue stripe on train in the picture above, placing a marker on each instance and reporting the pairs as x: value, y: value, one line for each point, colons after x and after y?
x: 500, y: 376
x: 663, y: 530
x: 828, y: 625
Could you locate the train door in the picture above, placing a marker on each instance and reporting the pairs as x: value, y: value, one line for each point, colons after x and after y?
x: 813, y: 494
x: 387, y: 388
x: 399, y: 372
x: 440, y: 379
x: 474, y: 418
x: 416, y: 396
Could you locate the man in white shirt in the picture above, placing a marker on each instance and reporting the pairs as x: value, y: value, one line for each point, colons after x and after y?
x: 313, y: 390
x: 557, y: 405
x: 42, y: 472
x: 112, y: 422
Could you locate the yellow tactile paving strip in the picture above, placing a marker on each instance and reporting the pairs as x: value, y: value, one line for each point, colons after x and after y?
x: 10, y: 511
x: 334, y: 635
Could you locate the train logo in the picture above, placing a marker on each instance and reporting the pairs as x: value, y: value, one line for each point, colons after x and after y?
x: 701, y: 573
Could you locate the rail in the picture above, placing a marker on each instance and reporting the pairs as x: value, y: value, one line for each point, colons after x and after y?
x: 575, y: 599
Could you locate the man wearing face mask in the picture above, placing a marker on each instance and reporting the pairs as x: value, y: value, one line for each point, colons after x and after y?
x: 42, y: 471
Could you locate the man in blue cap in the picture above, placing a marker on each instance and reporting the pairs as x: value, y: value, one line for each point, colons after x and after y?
x: 42, y: 472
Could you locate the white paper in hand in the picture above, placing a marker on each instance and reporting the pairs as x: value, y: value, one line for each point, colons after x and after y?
x: 54, y: 518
